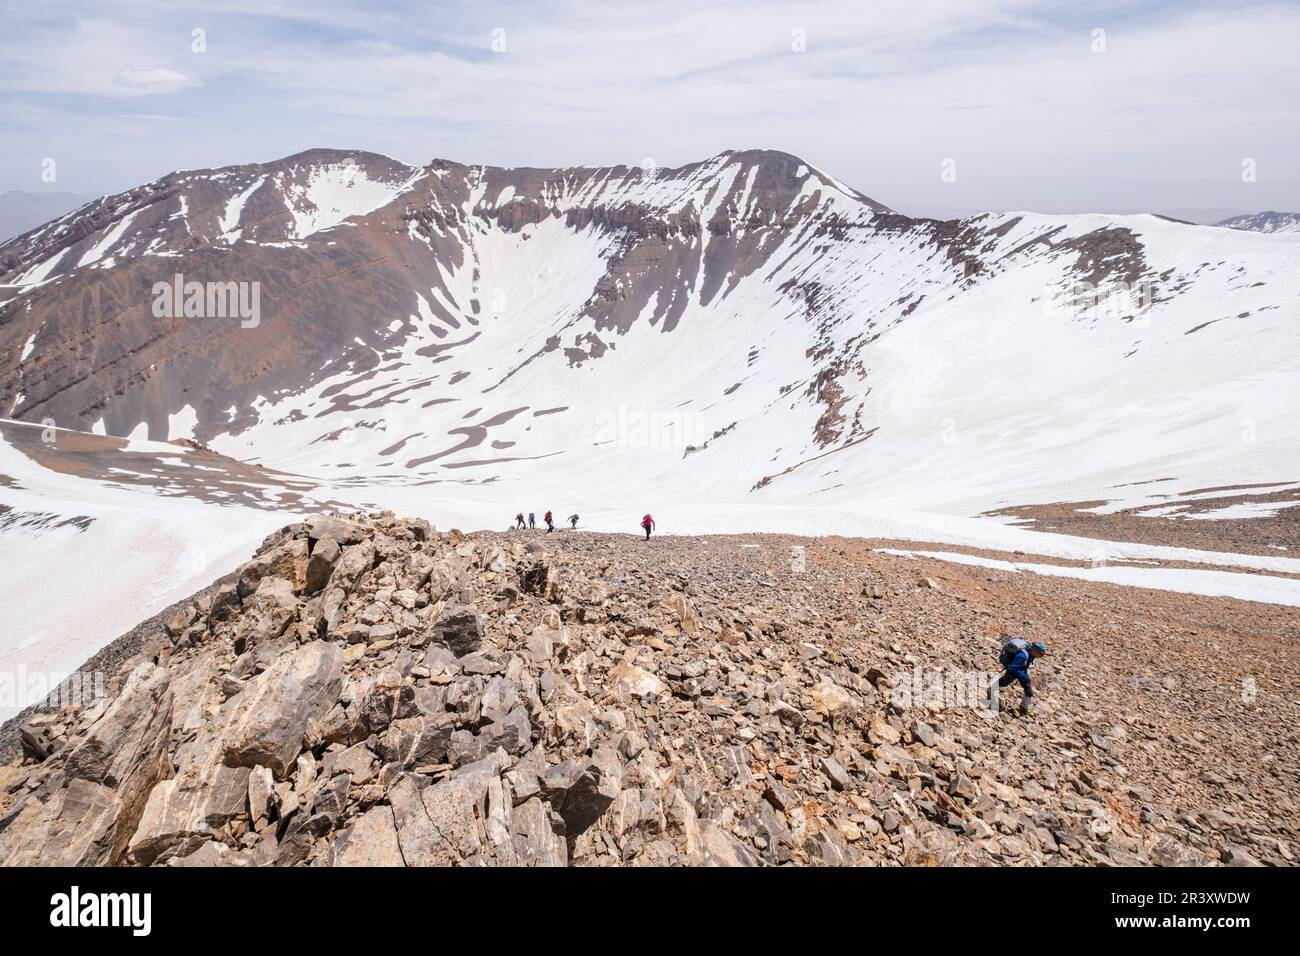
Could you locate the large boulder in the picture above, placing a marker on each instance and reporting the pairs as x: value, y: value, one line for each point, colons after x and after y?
x: 270, y: 717
x: 321, y: 565
x: 185, y: 812
x: 341, y: 530
x: 74, y: 827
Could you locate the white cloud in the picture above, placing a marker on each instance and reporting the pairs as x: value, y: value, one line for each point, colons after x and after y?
x: 158, y: 80
x: 883, y: 93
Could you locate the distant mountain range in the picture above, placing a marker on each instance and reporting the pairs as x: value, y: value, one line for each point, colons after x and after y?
x: 1265, y: 222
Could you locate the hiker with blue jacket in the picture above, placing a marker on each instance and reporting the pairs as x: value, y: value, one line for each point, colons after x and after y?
x: 1016, y: 658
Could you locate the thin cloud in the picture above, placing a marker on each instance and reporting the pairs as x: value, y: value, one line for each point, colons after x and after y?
x: 880, y: 94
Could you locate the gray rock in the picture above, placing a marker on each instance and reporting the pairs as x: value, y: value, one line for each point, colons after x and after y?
x: 341, y: 530
x: 271, y: 716
x: 320, y: 566
x: 583, y: 790
x: 512, y: 733
x: 417, y: 740
x: 835, y: 772
x: 458, y: 629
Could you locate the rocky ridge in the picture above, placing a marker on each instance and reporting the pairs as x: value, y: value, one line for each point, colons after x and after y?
x: 368, y: 691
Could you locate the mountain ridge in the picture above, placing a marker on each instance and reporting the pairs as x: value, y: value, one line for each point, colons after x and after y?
x: 372, y: 271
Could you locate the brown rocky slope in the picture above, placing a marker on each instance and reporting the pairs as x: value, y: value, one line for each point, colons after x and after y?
x: 367, y: 690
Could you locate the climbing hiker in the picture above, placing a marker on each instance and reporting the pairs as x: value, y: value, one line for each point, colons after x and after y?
x: 573, y: 521
x: 648, y: 523
x: 532, y: 520
x: 1015, y: 660
x: 550, y: 524
x: 519, y: 520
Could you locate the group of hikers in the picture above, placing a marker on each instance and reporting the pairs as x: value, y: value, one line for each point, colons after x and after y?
x: 548, y: 518
x: 647, y: 522
x: 1015, y: 659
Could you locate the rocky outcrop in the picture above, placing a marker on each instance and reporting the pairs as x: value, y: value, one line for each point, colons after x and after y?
x: 84, y: 803
x: 445, y: 700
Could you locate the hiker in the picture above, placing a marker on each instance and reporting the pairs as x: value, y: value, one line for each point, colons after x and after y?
x: 519, y: 521
x: 573, y: 520
x: 550, y: 524
x: 532, y: 520
x: 1015, y: 660
x: 648, y: 523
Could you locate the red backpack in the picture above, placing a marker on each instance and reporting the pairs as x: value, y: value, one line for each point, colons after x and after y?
x: 647, y: 521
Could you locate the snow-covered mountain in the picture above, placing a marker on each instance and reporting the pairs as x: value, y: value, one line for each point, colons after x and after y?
x: 746, y: 327
x: 1265, y: 222
x: 743, y: 343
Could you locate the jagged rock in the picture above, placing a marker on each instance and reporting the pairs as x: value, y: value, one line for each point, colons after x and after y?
x: 261, y: 791
x: 838, y: 776
x: 776, y: 795
x: 266, y: 613
x: 358, y: 761
x: 829, y: 699
x: 272, y: 714
x: 1236, y: 856
x: 95, y: 802
x: 321, y: 565
x: 458, y: 820
x: 417, y: 740
x: 176, y: 822
x: 389, y: 699
x: 720, y: 848
x: 340, y: 530
x: 538, y: 834
x: 627, y: 681
x: 371, y: 840
x: 37, y: 742
x: 512, y: 733
x: 225, y: 603
x: 459, y: 630
x: 582, y: 790
x: 76, y: 826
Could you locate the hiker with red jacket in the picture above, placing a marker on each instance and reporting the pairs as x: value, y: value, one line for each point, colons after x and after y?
x: 648, y: 523
x: 550, y: 522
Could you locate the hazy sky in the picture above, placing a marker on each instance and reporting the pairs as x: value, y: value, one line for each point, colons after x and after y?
x: 1037, y: 108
